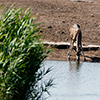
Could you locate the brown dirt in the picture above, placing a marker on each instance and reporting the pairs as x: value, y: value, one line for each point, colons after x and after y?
x: 59, y: 15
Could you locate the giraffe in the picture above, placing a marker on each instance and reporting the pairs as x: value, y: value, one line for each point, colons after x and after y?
x: 75, y: 36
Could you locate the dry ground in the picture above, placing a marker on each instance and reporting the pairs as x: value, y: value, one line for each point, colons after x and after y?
x: 59, y: 15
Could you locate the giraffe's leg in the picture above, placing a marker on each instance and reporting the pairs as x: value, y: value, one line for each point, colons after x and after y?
x: 70, y: 50
x: 83, y: 54
x: 78, y: 57
x: 75, y: 51
x: 78, y: 42
x: 78, y: 53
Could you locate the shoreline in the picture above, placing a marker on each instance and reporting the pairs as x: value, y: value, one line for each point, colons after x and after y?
x: 88, y: 61
x: 60, y: 54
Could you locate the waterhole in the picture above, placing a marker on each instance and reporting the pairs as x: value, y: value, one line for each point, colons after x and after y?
x: 73, y: 80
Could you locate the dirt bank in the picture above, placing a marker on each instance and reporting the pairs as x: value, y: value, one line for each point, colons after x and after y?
x: 59, y: 15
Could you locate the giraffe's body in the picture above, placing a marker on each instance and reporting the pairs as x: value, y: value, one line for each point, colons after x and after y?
x: 75, y: 36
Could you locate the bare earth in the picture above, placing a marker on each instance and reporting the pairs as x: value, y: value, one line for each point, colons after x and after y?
x: 59, y: 15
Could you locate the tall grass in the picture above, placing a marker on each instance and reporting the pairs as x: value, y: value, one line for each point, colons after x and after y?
x: 21, y: 56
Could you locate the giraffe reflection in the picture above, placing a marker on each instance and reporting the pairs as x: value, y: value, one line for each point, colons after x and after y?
x: 75, y: 66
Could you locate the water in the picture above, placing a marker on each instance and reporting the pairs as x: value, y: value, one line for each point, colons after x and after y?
x: 73, y: 82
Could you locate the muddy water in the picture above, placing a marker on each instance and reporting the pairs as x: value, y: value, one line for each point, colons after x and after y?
x: 74, y: 81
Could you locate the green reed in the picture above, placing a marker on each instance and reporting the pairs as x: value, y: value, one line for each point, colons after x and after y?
x: 21, y: 56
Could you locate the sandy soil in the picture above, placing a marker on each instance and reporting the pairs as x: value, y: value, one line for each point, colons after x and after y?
x: 59, y: 15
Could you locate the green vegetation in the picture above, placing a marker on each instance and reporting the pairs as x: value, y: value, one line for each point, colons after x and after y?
x: 21, y: 56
